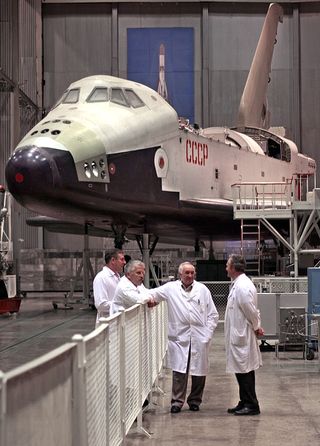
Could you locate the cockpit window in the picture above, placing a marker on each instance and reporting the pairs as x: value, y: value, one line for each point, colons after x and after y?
x: 99, y: 94
x: 72, y: 96
x: 118, y: 97
x: 60, y: 99
x: 134, y: 99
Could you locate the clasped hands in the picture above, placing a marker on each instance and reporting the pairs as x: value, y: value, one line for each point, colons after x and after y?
x: 259, y: 331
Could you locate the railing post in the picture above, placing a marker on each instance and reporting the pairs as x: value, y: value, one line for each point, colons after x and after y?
x: 104, y: 320
x: 141, y: 313
x: 79, y: 418
x: 122, y: 375
x: 3, y: 408
x: 142, y: 308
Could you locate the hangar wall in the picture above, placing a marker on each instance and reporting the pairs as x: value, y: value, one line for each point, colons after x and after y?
x: 20, y: 92
x: 310, y: 80
x: 76, y: 44
x: 84, y: 38
x: 233, y: 31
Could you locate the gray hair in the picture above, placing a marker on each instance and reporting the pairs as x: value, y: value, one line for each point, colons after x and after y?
x: 182, y: 265
x: 238, y: 262
x: 132, y: 265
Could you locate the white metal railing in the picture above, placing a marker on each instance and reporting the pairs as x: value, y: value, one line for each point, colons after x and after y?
x: 89, y: 391
x: 281, y: 284
x: 266, y: 196
x: 219, y: 290
x: 261, y: 196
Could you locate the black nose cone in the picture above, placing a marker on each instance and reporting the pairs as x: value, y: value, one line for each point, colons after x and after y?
x: 33, y: 174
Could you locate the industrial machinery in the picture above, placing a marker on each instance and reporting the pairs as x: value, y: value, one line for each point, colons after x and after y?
x: 296, y: 334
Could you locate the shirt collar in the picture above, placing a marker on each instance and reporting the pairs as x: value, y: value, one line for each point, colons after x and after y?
x: 187, y: 289
x: 112, y: 273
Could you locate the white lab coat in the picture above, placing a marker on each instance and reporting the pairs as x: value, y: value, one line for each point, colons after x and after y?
x: 127, y: 294
x: 192, y: 319
x: 242, y: 318
x: 104, y: 286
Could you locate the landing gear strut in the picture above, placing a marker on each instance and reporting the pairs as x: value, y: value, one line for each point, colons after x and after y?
x: 146, y: 251
x: 119, y: 235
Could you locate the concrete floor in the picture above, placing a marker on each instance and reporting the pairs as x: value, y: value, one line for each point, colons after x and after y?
x: 37, y: 328
x: 288, y: 390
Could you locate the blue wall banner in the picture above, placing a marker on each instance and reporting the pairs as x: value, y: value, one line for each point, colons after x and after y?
x: 163, y: 59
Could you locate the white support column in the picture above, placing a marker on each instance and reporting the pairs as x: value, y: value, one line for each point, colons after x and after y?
x: 295, y: 245
x: 86, y: 260
x: 146, y: 258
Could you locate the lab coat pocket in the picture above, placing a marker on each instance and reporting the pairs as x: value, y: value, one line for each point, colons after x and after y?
x: 176, y: 332
x: 238, y: 337
x: 207, y: 334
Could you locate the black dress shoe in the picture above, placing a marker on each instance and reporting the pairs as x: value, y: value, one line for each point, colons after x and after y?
x: 175, y: 409
x: 194, y: 407
x: 234, y: 409
x: 247, y: 411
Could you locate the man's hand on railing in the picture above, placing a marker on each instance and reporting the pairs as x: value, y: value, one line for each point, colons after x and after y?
x: 151, y: 302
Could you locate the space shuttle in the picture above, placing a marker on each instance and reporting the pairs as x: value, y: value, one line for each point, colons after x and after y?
x: 112, y: 154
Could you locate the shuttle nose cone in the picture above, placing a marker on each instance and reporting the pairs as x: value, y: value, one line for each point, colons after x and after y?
x: 32, y: 175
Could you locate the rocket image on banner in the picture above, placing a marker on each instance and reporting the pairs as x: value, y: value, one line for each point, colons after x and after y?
x: 162, y: 86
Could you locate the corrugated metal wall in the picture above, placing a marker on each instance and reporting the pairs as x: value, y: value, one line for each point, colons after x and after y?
x: 6, y: 18
x: 19, y: 95
x: 7, y: 9
x: 310, y: 80
x: 76, y: 43
x: 29, y: 42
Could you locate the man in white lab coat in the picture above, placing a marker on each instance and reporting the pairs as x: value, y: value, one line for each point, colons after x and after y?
x: 192, y: 319
x: 130, y: 290
x: 242, y: 326
x: 106, y: 281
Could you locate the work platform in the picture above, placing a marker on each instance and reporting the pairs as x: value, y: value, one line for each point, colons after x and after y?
x: 292, y: 200
x: 272, y: 200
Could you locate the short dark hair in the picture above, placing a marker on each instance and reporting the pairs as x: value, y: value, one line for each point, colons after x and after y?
x: 238, y: 262
x: 112, y: 255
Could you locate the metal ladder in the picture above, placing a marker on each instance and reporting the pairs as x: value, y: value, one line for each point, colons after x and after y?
x: 251, y: 232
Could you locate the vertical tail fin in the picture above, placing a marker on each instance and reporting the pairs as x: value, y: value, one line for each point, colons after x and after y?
x: 253, y: 110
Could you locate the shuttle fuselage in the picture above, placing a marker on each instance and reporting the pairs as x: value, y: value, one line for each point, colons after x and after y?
x: 114, y: 152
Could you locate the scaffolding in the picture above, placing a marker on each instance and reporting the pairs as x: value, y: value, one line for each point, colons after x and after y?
x: 291, y: 200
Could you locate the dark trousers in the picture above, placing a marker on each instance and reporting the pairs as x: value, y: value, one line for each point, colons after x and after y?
x: 179, y: 388
x: 247, y: 392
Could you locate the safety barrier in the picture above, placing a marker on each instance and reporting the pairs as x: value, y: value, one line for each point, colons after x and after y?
x: 281, y: 284
x: 220, y: 290
x: 90, y: 391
